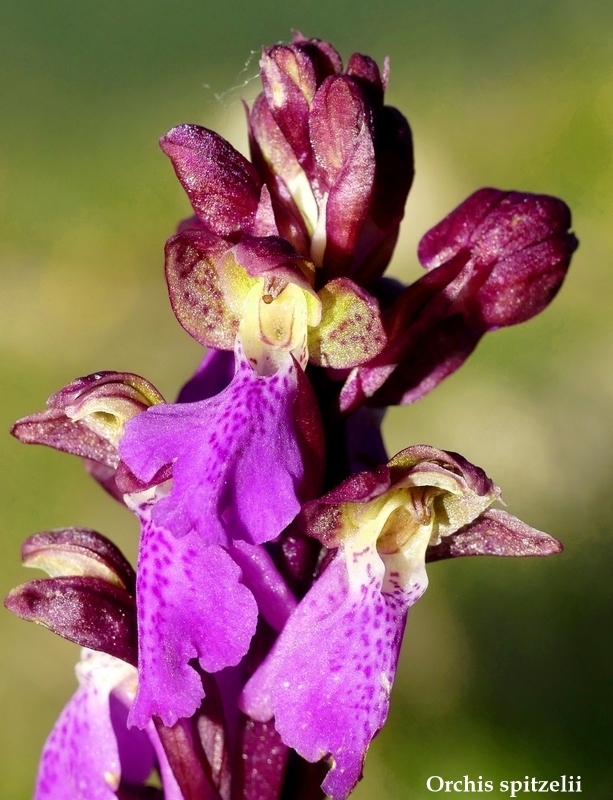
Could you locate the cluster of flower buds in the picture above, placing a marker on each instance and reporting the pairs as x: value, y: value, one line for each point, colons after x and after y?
x: 252, y: 653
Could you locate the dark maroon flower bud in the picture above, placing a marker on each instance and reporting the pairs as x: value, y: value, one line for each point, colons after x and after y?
x: 337, y: 162
x: 519, y: 247
x: 497, y: 260
x: 365, y: 71
x: 290, y: 83
x: 342, y: 137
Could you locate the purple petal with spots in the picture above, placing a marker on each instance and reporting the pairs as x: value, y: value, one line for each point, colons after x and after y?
x: 237, y: 464
x: 328, y: 679
x: 82, y: 758
x: 191, y: 604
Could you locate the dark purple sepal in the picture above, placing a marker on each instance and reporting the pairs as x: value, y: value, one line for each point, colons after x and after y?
x: 54, y: 429
x: 495, y: 533
x: 89, y: 611
x: 275, y: 161
x: 394, y: 173
x: 289, y: 82
x: 78, y: 552
x: 341, y: 132
x: 223, y: 187
x: 324, y: 58
x: 212, y: 376
x: 105, y: 477
x: 365, y: 71
x: 105, y: 386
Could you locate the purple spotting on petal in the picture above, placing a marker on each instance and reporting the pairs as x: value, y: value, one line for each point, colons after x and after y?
x: 328, y: 678
x: 191, y: 604
x: 82, y: 758
x: 237, y: 464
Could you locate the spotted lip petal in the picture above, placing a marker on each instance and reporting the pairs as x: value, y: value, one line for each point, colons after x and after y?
x: 191, y: 604
x: 230, y: 454
x: 328, y: 679
x: 496, y: 260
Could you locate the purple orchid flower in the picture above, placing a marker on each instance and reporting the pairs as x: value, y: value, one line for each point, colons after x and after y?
x: 328, y: 678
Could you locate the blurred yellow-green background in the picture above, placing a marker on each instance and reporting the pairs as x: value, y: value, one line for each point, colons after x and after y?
x: 507, y: 666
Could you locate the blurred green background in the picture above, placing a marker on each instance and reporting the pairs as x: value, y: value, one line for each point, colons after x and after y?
x: 507, y: 665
